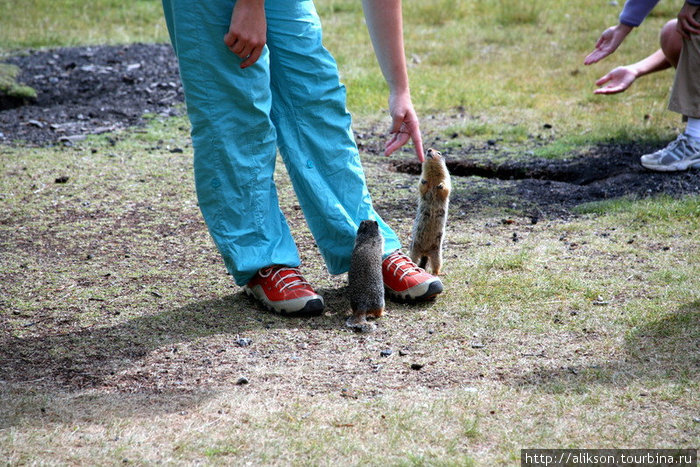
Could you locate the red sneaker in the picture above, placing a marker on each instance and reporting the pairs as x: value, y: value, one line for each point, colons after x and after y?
x: 404, y: 281
x: 283, y: 290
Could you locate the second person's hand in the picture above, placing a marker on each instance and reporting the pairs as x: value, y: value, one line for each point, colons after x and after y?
x: 617, y: 80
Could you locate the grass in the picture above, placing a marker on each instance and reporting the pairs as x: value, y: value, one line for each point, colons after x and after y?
x: 584, y: 339
x: 519, y: 64
x: 118, y: 315
x: 9, y: 85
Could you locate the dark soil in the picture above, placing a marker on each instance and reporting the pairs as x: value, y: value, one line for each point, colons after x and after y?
x: 89, y: 90
x: 547, y: 188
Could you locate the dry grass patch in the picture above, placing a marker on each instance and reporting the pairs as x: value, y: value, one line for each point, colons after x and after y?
x: 123, y: 337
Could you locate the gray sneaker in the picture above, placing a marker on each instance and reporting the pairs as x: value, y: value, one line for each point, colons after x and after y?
x: 681, y: 154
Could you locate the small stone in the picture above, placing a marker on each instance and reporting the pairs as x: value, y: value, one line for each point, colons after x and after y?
x: 242, y: 381
x: 477, y: 345
x: 62, y: 179
x: 71, y: 139
x: 386, y: 352
x: 243, y: 342
x: 417, y: 366
x: 403, y: 352
x: 361, y: 327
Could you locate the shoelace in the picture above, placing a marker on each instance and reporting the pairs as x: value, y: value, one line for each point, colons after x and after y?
x: 682, y: 145
x: 296, y: 278
x: 402, y: 263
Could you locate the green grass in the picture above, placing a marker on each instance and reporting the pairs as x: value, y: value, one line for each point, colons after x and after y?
x: 519, y: 64
x: 663, y: 209
x: 585, y: 338
x: 116, y: 307
x: 40, y: 23
x: 9, y: 85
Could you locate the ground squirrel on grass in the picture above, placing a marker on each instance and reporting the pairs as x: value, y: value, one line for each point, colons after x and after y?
x: 365, y: 283
x: 433, y: 202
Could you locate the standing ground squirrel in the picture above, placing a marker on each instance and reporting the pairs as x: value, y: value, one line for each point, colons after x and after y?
x: 365, y: 283
x: 429, y: 225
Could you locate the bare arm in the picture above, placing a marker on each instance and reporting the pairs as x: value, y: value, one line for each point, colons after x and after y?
x: 385, y: 25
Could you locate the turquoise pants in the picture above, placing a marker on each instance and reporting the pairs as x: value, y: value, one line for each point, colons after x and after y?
x: 289, y: 99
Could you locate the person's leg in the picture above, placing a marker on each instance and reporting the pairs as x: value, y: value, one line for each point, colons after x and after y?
x: 318, y: 148
x: 671, y: 42
x: 684, y: 152
x: 234, y: 140
x: 314, y: 134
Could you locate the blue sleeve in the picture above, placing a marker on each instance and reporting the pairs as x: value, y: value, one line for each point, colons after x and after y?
x: 694, y: 2
x: 635, y: 11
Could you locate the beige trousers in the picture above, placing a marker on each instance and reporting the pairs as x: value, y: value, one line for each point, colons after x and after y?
x: 685, y: 96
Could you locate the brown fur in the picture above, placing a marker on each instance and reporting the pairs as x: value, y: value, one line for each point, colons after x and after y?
x: 433, y: 203
x: 365, y: 283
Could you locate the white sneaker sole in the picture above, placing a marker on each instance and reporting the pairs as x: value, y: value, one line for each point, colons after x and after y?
x: 304, y: 306
x: 677, y: 166
x: 417, y: 293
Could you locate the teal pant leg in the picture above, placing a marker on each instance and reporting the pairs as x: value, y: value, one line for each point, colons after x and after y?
x: 314, y: 134
x: 233, y: 137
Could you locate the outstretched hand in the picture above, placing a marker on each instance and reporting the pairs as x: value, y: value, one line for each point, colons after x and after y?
x: 247, y: 33
x: 608, y: 43
x: 404, y: 127
x: 617, y: 80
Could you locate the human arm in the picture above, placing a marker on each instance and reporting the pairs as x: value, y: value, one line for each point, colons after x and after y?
x: 247, y: 33
x: 635, y: 11
x: 687, y: 24
x: 621, y: 78
x: 385, y: 25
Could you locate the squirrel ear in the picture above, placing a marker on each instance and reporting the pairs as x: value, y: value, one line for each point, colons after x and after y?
x: 440, y: 186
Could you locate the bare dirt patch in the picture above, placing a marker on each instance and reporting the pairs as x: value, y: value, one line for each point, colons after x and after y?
x: 547, y: 188
x: 91, y: 90
x: 188, y: 346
